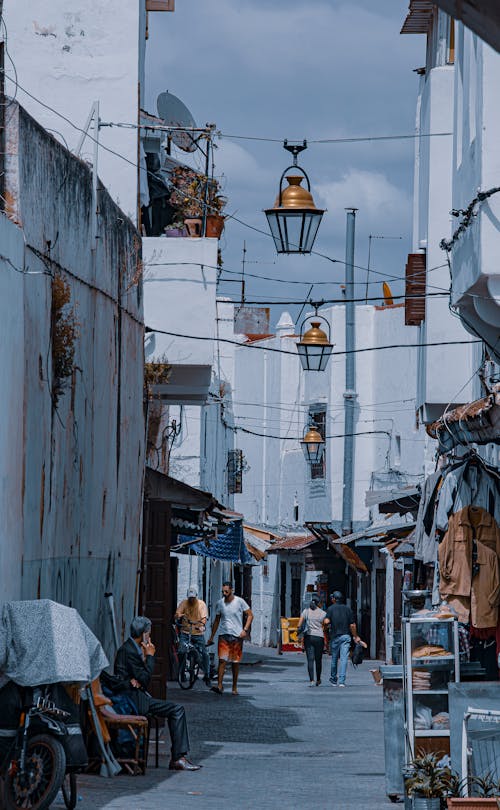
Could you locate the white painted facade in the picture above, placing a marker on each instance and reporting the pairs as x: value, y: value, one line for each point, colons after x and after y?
x: 180, y: 298
x: 274, y: 396
x: 442, y: 370
x: 69, y: 54
x: 476, y: 166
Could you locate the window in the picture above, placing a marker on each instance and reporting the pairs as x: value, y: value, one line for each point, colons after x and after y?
x: 415, y: 274
x: 397, y: 450
x: 160, y: 5
x: 235, y: 472
x: 317, y: 414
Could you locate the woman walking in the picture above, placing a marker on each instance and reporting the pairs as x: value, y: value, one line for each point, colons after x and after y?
x: 311, y: 626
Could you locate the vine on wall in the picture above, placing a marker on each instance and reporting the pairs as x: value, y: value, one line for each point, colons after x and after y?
x: 64, y: 334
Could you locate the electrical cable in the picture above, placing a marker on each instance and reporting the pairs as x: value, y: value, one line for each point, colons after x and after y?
x: 141, y: 168
x: 149, y: 329
x: 360, y: 139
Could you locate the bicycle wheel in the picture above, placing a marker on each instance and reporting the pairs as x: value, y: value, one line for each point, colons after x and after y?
x: 183, y: 674
x: 193, y: 667
x: 69, y: 791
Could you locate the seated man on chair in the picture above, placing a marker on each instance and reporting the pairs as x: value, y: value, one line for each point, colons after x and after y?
x: 134, y: 664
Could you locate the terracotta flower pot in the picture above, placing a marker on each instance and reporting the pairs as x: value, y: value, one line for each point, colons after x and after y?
x: 472, y: 803
x: 193, y: 225
x: 215, y: 226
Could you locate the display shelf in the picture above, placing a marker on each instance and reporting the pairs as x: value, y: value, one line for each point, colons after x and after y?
x: 441, y: 671
x: 430, y: 691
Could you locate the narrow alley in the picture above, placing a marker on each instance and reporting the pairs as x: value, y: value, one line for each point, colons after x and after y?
x: 278, y: 744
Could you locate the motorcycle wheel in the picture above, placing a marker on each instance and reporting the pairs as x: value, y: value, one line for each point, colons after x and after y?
x: 45, y: 769
x: 68, y: 788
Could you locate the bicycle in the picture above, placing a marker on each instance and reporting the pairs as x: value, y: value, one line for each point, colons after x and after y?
x: 189, y: 658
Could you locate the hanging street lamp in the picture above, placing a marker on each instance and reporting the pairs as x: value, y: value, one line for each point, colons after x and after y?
x: 313, y: 445
x: 294, y: 220
x: 314, y: 346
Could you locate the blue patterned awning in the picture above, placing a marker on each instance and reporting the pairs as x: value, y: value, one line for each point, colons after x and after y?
x: 228, y: 546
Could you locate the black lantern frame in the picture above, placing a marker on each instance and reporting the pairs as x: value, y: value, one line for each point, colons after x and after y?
x: 294, y: 229
x: 315, y: 346
x: 313, y: 445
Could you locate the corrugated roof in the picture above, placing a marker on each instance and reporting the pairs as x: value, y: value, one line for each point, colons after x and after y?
x: 293, y: 542
x: 419, y: 17
x: 478, y: 422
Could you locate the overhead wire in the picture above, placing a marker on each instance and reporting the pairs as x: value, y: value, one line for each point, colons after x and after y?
x: 149, y: 329
x: 142, y: 168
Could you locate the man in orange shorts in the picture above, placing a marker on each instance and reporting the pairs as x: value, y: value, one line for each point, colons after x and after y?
x: 234, y: 617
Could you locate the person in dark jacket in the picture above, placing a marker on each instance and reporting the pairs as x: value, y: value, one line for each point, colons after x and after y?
x: 340, y: 622
x: 134, y: 664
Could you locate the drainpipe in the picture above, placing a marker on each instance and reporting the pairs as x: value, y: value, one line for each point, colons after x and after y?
x: 350, y: 376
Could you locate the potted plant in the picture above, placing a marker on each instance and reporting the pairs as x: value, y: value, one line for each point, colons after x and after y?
x: 486, y: 789
x: 428, y: 782
x: 192, y: 194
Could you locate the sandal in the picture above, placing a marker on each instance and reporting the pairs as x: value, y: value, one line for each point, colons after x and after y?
x: 216, y: 690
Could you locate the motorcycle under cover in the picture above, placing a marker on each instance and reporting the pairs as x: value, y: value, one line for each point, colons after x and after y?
x: 44, y: 642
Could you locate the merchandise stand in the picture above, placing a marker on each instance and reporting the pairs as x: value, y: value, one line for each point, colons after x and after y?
x: 426, y: 679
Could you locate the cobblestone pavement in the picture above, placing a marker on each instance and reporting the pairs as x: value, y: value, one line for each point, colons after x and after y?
x: 279, y: 744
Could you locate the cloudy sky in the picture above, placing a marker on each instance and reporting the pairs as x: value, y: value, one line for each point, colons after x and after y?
x: 299, y: 69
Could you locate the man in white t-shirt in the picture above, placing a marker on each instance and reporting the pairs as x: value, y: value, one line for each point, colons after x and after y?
x: 235, y: 618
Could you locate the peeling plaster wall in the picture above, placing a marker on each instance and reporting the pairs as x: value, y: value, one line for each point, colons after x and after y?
x: 70, y: 53
x: 11, y: 405
x: 82, y: 464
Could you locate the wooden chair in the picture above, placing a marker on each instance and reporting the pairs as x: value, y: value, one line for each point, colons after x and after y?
x: 136, y: 725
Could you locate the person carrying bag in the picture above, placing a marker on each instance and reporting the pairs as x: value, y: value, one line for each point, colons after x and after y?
x: 311, y: 629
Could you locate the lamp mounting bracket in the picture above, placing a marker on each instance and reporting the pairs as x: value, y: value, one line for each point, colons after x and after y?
x: 295, y: 149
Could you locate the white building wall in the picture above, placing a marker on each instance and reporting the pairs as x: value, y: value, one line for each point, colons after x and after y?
x: 70, y: 53
x: 442, y: 370
x: 474, y: 257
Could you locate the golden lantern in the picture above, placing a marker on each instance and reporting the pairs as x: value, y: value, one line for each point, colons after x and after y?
x: 294, y: 219
x: 314, y: 346
x: 313, y: 445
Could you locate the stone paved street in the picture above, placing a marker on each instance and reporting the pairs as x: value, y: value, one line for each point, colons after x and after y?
x: 279, y: 744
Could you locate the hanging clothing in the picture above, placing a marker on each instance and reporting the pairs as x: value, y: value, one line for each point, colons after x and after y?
x: 469, y: 566
x: 425, y: 533
x: 469, y: 483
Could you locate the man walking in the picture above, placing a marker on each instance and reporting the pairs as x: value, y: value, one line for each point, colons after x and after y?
x: 235, y: 619
x: 340, y: 620
x: 193, y: 615
x: 134, y: 664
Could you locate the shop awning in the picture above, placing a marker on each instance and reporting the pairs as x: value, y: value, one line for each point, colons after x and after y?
x: 394, y: 501
x: 378, y: 533
x: 161, y: 487
x: 228, y: 546
x: 293, y: 542
x: 323, y: 531
x: 475, y: 423
x: 256, y: 543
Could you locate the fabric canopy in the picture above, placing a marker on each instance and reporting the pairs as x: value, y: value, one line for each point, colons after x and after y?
x: 44, y: 642
x: 228, y: 546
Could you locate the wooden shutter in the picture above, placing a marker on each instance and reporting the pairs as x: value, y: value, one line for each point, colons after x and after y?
x: 415, y: 289
x: 160, y: 5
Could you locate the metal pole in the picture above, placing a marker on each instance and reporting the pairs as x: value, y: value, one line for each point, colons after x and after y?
x: 350, y: 376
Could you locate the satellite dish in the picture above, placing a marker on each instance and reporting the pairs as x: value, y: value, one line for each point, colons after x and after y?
x: 388, y: 299
x: 176, y: 114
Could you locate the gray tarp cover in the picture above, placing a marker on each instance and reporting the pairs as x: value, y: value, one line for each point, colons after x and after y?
x: 44, y: 642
